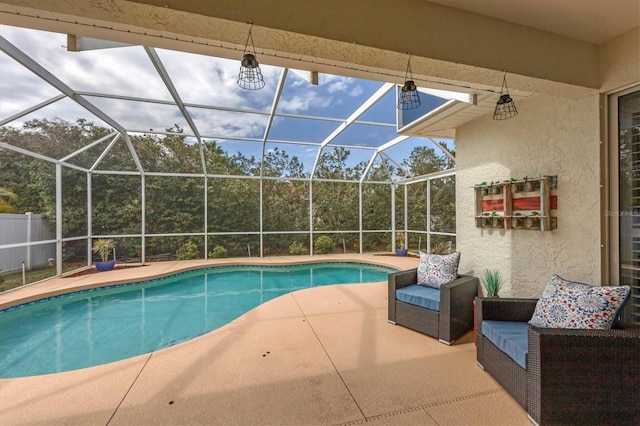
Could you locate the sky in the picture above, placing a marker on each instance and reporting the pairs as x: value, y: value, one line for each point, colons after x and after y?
x: 311, y: 112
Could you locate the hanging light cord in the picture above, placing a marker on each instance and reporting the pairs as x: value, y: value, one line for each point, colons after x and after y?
x: 504, y: 83
x: 408, y: 72
x: 249, y: 37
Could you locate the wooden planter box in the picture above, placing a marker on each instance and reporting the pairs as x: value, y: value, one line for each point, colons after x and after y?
x: 519, y: 204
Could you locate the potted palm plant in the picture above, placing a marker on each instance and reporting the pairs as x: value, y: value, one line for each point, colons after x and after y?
x: 102, y: 247
x: 400, y: 248
x: 491, y: 280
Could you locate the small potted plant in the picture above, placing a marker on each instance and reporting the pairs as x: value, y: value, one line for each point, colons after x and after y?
x: 533, y: 221
x: 497, y: 219
x: 491, y: 280
x: 102, y: 247
x: 496, y: 188
x: 517, y: 220
x: 486, y: 219
x: 515, y: 186
x: 400, y: 248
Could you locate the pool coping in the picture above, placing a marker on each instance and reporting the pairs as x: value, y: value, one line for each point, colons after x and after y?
x: 58, y: 286
x: 228, y: 263
x: 321, y: 355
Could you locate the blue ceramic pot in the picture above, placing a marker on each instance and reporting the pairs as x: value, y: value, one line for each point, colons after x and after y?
x: 402, y: 252
x: 105, y: 266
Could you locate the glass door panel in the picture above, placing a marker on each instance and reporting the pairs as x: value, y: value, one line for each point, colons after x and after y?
x: 626, y: 118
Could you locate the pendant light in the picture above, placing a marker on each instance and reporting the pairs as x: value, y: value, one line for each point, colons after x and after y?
x: 505, y: 107
x: 409, y: 97
x: 250, y: 76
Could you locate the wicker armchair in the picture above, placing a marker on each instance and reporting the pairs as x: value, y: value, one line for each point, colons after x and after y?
x: 572, y: 376
x: 455, y: 317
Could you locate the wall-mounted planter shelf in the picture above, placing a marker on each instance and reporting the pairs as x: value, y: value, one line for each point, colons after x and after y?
x: 517, y: 204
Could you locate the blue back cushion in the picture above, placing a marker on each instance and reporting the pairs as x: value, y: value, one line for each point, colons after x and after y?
x: 420, y: 295
x: 510, y: 337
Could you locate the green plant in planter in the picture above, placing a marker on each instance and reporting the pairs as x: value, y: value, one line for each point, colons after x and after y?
x: 401, y: 249
x: 496, y: 188
x: 102, y: 247
x: 491, y: 280
x: 486, y: 190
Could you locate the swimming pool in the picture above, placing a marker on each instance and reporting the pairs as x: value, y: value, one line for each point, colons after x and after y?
x: 107, y: 324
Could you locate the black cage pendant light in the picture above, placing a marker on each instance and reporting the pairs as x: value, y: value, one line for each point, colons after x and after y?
x: 505, y: 108
x: 409, y: 98
x: 250, y: 76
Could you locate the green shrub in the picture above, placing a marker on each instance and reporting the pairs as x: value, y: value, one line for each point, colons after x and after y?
x: 491, y: 280
x: 218, y: 252
x: 324, y: 245
x: 1, y: 277
x: 188, y: 251
x: 297, y: 248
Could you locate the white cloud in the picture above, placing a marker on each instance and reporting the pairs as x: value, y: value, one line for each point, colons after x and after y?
x: 303, y: 102
x: 199, y: 79
x: 356, y: 91
x: 338, y: 86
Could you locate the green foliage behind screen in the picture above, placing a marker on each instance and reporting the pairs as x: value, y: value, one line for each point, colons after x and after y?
x: 291, y: 201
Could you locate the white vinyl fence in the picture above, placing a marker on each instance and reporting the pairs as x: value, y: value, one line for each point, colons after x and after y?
x: 27, y: 229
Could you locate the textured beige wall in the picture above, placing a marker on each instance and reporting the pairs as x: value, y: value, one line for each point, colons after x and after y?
x: 550, y: 136
x: 449, y: 46
x: 620, y: 61
x: 426, y: 29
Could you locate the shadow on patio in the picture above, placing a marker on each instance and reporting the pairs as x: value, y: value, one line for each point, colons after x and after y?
x: 324, y: 355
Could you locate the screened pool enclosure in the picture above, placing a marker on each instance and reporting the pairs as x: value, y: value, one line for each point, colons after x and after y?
x: 162, y: 152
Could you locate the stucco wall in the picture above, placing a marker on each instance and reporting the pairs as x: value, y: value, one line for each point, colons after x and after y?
x: 620, y: 61
x: 550, y: 136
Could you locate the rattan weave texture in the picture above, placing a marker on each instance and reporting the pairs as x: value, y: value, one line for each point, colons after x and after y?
x: 455, y: 317
x: 572, y: 376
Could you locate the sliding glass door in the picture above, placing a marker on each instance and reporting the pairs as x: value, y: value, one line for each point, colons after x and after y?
x: 624, y: 109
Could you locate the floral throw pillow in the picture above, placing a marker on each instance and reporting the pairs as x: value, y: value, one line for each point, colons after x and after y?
x: 568, y: 304
x: 437, y: 269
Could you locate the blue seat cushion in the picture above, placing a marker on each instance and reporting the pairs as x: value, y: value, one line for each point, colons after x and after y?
x: 420, y: 295
x: 510, y: 337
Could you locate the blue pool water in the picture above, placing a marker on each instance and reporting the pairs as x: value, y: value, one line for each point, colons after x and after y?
x: 107, y: 324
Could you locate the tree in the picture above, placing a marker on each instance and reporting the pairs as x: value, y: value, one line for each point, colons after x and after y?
x: 175, y: 204
x: 6, y: 198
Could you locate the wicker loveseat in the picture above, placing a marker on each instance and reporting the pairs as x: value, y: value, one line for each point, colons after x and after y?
x: 571, y: 376
x: 450, y: 318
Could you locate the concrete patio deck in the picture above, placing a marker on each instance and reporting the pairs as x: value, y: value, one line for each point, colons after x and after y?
x: 324, y: 355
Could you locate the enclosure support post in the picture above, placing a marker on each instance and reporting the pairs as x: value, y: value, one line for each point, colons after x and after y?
x: 393, y: 218
x: 89, y: 221
x: 261, y: 211
x: 29, y: 225
x: 311, y: 217
x: 360, y: 214
x: 58, y: 219
x: 406, y: 215
x: 428, y: 215
x: 206, y: 215
x: 143, y: 227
